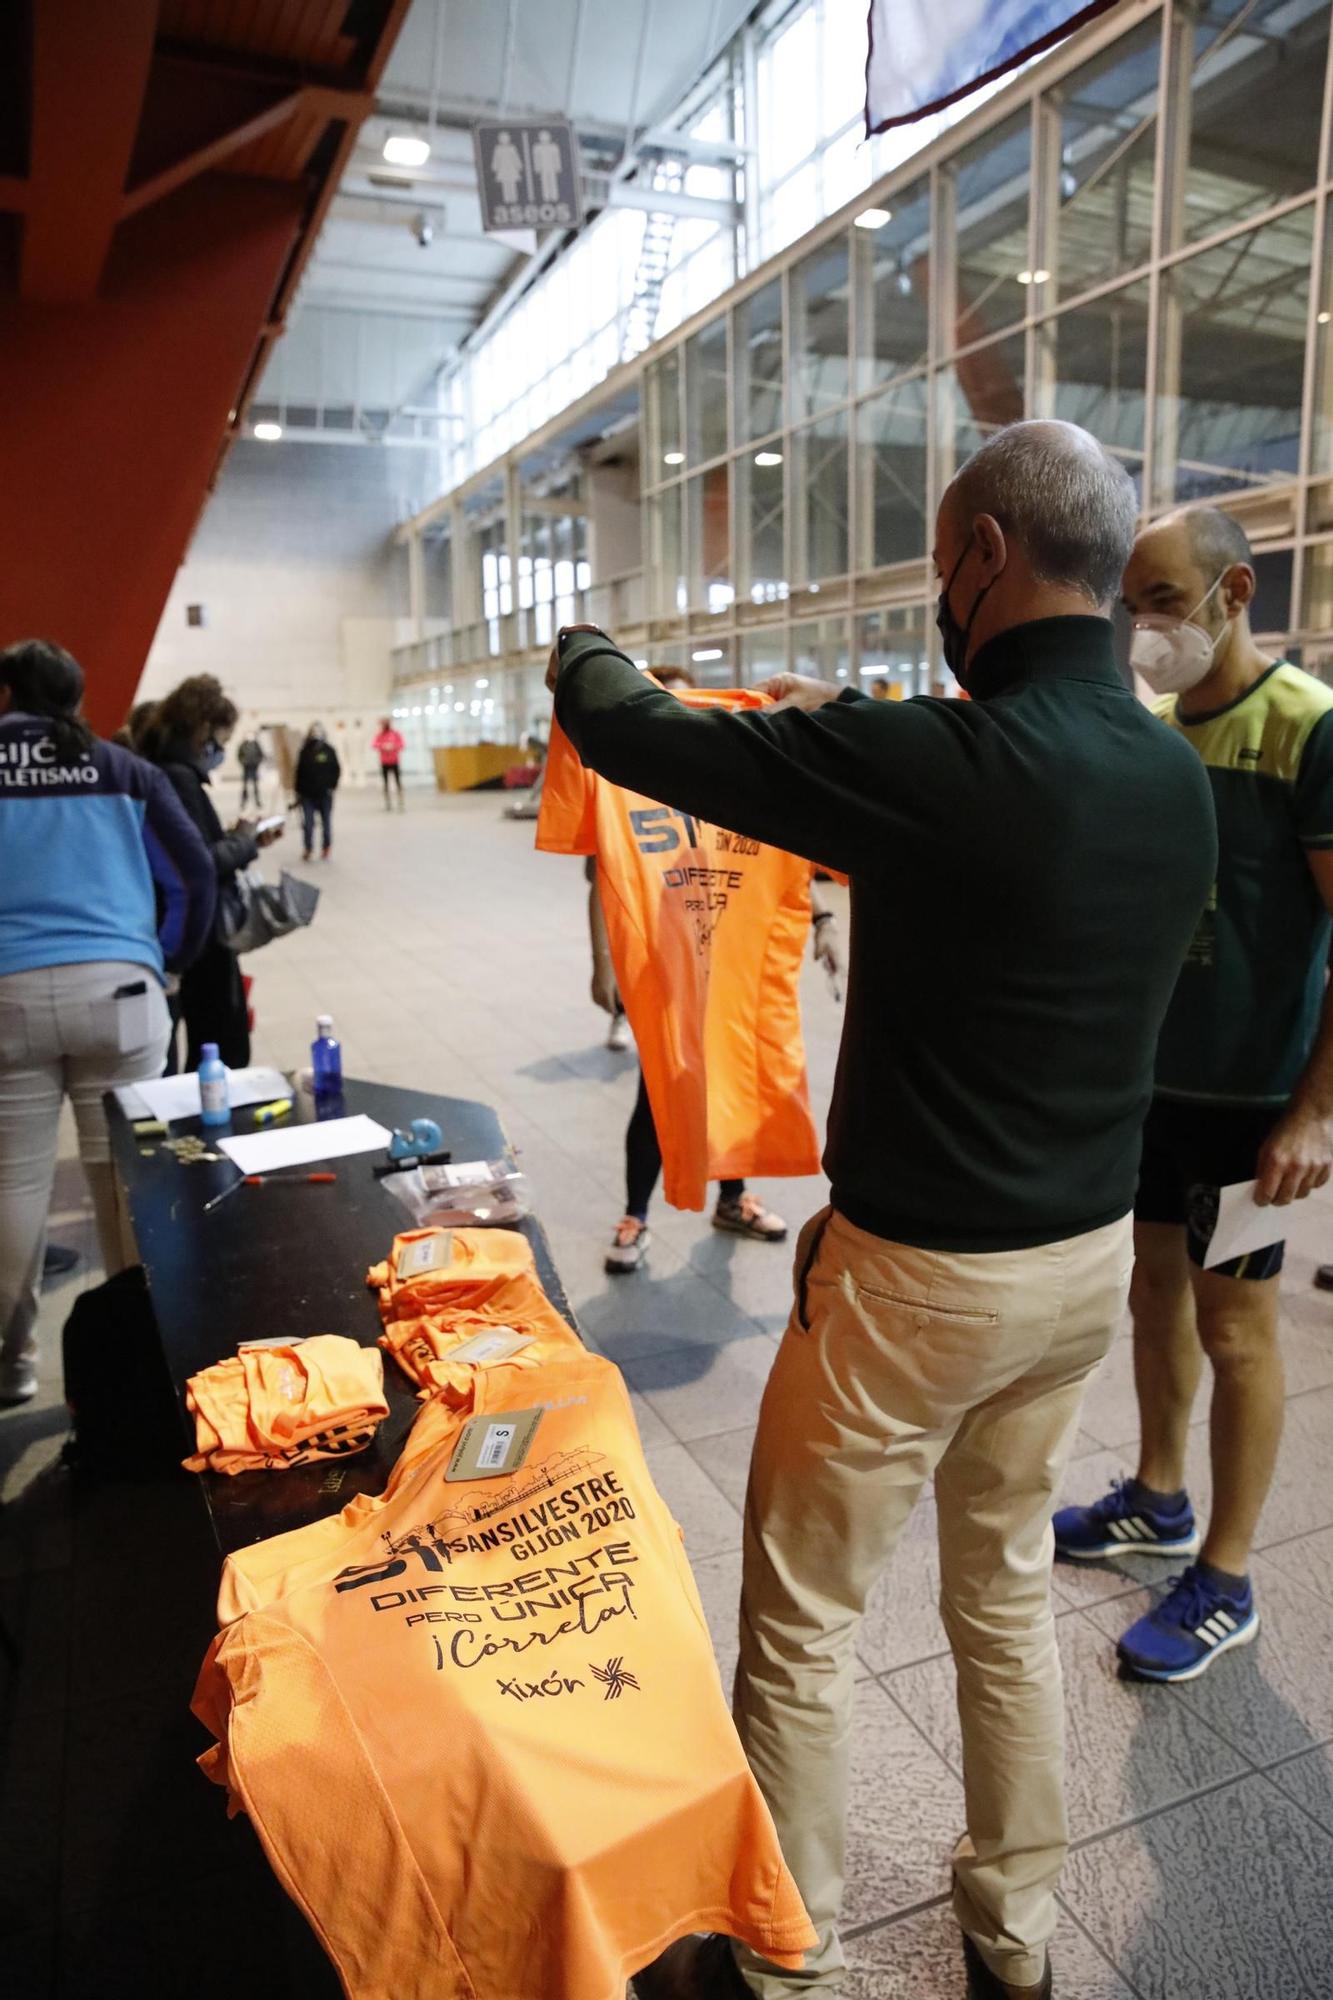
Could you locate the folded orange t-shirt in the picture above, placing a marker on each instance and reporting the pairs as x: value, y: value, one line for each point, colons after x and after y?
x: 267, y: 1407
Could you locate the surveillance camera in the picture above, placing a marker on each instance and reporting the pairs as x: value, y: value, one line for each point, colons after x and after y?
x: 424, y: 230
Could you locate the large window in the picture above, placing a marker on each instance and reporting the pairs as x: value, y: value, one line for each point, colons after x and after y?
x: 1257, y: 104
x: 1108, y: 139
x: 894, y: 285
x: 1234, y: 363
x: 821, y: 329
x: 992, y: 182
x: 891, y: 474
x: 1132, y: 245
x: 758, y: 361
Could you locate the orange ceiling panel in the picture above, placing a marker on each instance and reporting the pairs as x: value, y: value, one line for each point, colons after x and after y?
x: 305, y: 32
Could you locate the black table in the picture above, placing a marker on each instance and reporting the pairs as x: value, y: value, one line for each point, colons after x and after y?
x: 287, y: 1259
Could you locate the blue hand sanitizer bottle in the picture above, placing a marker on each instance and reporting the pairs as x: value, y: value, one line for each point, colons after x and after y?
x: 214, y: 1096
x: 326, y: 1058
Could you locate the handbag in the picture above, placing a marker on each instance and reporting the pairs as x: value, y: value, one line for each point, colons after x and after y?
x: 252, y: 912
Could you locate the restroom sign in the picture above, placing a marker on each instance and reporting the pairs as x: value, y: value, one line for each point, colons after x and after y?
x: 527, y: 171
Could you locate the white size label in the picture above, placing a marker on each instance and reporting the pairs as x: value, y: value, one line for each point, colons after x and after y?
x: 428, y: 1253
x: 495, y: 1447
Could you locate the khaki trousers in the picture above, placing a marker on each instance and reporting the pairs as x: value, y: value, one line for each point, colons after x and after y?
x: 898, y: 1363
x: 64, y: 1033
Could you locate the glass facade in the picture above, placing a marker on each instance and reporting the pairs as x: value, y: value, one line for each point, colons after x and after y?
x: 1134, y: 235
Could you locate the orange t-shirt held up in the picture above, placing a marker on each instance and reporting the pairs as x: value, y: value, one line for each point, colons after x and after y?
x: 707, y: 932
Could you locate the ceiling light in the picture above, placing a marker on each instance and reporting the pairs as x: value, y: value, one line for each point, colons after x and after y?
x: 268, y: 433
x: 459, y: 706
x: 1322, y: 319
x: 874, y: 218
x: 706, y: 653
x: 481, y: 684
x: 1033, y: 277
x: 813, y: 589
x: 768, y: 458
x: 673, y: 458
x: 401, y: 149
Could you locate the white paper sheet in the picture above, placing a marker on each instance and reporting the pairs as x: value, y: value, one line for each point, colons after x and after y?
x: 296, y: 1145
x: 1241, y: 1226
x: 169, y: 1097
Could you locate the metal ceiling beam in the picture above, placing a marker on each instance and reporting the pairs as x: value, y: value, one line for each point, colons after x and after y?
x: 89, y: 75
x: 662, y: 201
x: 348, y: 302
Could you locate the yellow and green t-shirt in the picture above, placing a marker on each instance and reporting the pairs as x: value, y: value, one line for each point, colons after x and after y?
x: 1246, y: 1006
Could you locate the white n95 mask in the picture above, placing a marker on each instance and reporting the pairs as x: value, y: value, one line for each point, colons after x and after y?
x: 1172, y: 655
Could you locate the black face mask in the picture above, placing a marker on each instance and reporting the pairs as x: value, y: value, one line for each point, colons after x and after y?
x: 953, y: 636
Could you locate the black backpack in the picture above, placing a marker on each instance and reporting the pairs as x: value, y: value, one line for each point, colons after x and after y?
x: 126, y: 1423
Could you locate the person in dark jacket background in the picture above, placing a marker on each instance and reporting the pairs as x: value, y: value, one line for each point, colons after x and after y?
x: 104, y: 887
x: 317, y: 774
x: 187, y: 740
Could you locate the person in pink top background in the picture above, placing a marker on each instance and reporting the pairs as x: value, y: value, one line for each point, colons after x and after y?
x: 389, y: 746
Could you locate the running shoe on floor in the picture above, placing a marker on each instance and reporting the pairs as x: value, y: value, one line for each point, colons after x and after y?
x: 629, y: 1246
x: 1195, y: 1623
x: 618, y: 1034
x: 18, y: 1381
x: 749, y: 1217
x: 1120, y: 1523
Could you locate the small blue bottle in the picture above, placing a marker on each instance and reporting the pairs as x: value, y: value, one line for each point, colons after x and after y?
x: 214, y: 1095
x: 326, y: 1058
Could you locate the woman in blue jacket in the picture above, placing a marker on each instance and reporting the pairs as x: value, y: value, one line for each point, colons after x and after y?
x: 94, y: 841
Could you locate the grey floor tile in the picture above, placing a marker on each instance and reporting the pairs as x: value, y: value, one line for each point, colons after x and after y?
x: 1309, y: 1780
x: 726, y: 1459
x: 699, y: 1391
x: 1128, y: 1751
x: 905, y: 1813
x: 919, y: 1957
x: 718, y: 1579
x: 1302, y: 1496
x: 1222, y: 1898
x: 1272, y: 1698
x: 709, y: 1522
x: 1307, y: 1560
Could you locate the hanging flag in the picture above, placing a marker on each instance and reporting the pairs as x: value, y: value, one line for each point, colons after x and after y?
x: 925, y: 54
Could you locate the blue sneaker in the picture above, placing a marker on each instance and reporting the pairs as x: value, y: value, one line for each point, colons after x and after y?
x: 1119, y: 1524
x: 1195, y: 1623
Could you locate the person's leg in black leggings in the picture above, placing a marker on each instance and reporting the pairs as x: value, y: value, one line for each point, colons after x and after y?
x: 643, y: 1156
x: 213, y: 1007
x: 326, y: 820
x: 398, y: 784
x: 643, y: 1160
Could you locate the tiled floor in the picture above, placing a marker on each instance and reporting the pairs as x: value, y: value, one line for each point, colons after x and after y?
x: 455, y: 958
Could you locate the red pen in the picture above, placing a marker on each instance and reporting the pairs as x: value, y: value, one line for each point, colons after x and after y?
x: 259, y: 1180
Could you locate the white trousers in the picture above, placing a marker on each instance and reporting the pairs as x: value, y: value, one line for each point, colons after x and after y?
x: 65, y: 1031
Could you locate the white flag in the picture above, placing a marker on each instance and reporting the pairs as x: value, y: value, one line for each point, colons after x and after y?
x: 924, y: 54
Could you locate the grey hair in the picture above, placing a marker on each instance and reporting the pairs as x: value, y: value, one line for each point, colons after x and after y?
x: 1216, y: 540
x: 1069, y: 505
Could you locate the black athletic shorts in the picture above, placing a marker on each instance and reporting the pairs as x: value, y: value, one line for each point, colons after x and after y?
x: 1190, y: 1152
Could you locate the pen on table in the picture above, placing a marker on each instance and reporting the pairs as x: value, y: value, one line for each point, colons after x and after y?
x: 267, y: 1113
x: 261, y: 1180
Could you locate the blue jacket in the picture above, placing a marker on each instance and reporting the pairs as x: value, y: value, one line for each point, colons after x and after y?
x: 91, y: 847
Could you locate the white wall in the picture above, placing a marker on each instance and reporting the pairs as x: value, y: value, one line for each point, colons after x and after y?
x: 303, y: 589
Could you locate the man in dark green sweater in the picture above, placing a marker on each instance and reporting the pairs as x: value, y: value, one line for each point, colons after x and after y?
x: 1026, y: 872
